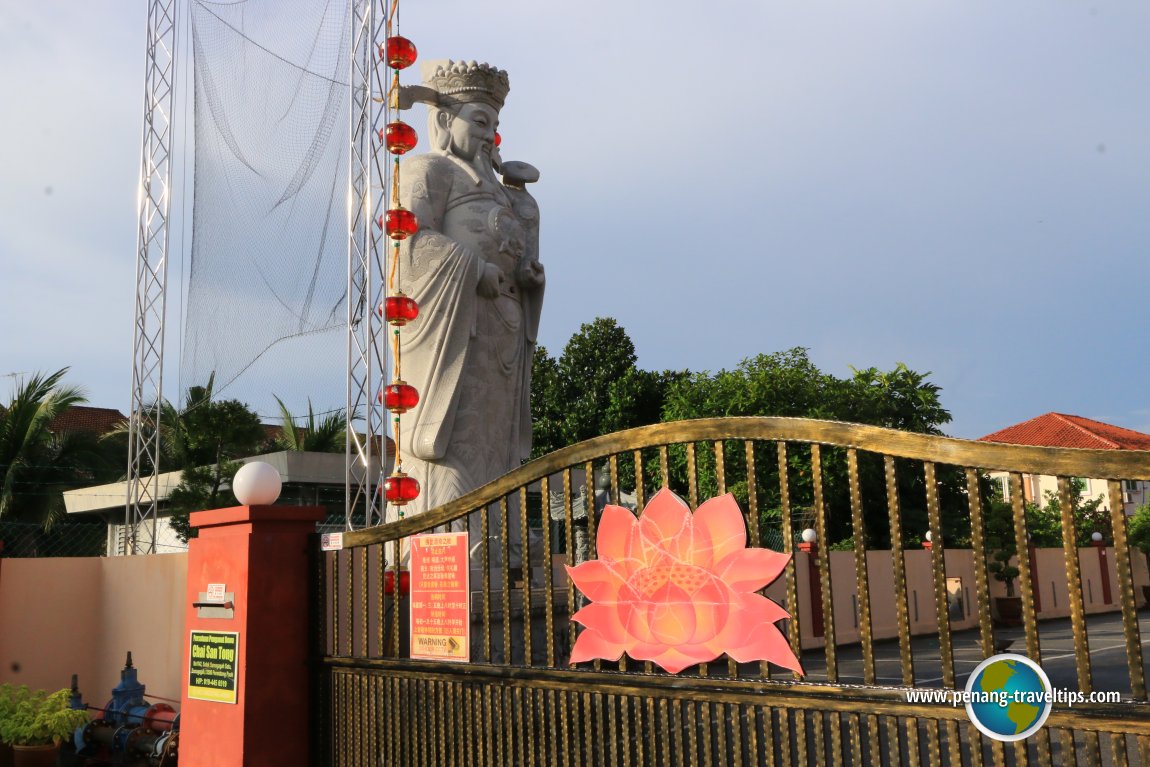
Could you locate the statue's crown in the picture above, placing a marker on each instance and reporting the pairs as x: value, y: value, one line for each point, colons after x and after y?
x: 462, y: 82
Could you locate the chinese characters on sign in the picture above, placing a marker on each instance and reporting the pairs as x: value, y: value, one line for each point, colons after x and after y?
x: 440, y: 619
x: 212, y: 665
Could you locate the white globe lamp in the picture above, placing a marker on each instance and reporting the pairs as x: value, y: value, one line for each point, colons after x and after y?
x: 809, y: 536
x: 257, y: 484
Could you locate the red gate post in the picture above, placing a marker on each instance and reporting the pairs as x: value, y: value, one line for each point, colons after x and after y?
x: 245, y: 687
x: 1035, y: 589
x: 811, y: 547
x: 1103, y: 566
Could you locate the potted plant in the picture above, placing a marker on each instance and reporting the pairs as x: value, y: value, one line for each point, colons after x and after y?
x: 36, y: 722
x: 1139, y: 538
x: 1002, y: 550
x: 8, y: 694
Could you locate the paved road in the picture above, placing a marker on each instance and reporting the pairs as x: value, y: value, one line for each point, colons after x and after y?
x: 1056, y: 641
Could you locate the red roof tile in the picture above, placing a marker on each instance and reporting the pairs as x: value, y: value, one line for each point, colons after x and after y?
x: 1062, y: 430
x: 81, y: 418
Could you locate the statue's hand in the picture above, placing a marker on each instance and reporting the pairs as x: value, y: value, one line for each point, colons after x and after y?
x: 490, y: 281
x: 530, y: 273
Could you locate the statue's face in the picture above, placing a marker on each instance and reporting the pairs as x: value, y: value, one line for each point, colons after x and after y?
x: 473, y: 131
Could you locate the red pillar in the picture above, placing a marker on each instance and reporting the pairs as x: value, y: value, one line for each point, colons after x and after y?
x: 1032, y: 558
x: 1104, y: 566
x: 260, y: 556
x: 816, y: 584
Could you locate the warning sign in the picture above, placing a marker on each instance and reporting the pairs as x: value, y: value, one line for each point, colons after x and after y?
x: 212, y: 665
x: 440, y: 618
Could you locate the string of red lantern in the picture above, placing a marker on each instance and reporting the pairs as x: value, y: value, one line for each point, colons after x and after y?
x: 398, y: 224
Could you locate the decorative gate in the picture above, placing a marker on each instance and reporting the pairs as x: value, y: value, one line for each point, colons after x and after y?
x: 872, y: 493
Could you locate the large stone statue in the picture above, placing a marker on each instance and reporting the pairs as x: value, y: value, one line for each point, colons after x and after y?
x: 474, y: 270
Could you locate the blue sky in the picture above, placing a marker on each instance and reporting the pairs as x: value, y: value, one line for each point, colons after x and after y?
x: 960, y: 186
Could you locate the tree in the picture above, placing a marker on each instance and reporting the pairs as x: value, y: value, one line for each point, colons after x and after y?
x: 209, y: 436
x: 327, y: 435
x: 1044, y: 523
x: 1001, y: 545
x: 898, y: 399
x: 36, y: 465
x: 781, y: 384
x: 1139, y: 532
x: 789, y: 384
x: 593, y: 388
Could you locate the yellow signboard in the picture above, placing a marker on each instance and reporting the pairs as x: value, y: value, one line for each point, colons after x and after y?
x: 212, y: 665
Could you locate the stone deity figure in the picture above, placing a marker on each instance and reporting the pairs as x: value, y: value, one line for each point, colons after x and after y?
x: 473, y: 267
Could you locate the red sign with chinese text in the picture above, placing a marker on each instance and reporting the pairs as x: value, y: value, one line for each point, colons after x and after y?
x: 440, y: 590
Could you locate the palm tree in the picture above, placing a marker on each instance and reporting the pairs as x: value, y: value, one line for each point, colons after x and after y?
x: 325, y: 436
x: 35, y: 464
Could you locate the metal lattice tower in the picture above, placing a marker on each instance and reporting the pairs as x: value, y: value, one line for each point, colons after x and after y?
x: 369, y: 175
x: 151, y: 282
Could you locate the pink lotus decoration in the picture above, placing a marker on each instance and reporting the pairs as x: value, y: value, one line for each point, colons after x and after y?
x: 677, y: 588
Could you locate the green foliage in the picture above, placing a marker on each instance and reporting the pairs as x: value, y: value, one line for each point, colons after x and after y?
x: 1043, y: 526
x: 37, y: 718
x: 593, y: 388
x: 327, y: 435
x: 780, y: 384
x: 36, y: 465
x: 1138, y: 533
x: 789, y: 384
x: 1001, y: 544
x: 899, y: 399
x: 1044, y: 523
x: 208, y: 436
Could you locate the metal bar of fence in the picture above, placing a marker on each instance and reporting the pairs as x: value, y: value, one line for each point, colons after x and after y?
x: 572, y: 559
x: 1130, y: 630
x: 692, y: 477
x: 1022, y: 542
x: 938, y: 567
x: 862, y: 581
x: 794, y: 634
x: 525, y: 574
x: 505, y: 562
x: 752, y: 521
x: 978, y: 547
x: 548, y: 597
x: 830, y: 650
x: 898, y: 566
x: 485, y: 532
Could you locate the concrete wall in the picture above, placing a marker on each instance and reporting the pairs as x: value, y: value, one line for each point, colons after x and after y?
x: 921, y: 606
x: 67, y: 616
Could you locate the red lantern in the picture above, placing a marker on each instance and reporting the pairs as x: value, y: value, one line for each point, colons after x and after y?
x: 404, y: 582
x: 399, y: 137
x: 399, y: 397
x: 399, y: 310
x: 399, y: 488
x: 400, y: 52
x: 498, y: 139
x: 401, y: 224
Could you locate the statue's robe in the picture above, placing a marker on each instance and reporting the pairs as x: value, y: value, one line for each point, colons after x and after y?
x: 468, y: 356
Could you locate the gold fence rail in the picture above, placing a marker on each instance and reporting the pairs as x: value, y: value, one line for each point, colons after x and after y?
x: 521, y: 702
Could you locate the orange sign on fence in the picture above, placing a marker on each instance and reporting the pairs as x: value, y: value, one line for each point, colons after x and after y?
x: 440, y: 618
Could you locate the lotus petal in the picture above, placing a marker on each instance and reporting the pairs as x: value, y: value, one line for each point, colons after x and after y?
x: 751, y: 569
x: 723, y: 522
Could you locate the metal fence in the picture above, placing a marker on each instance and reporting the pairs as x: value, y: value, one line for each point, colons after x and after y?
x: 522, y: 702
